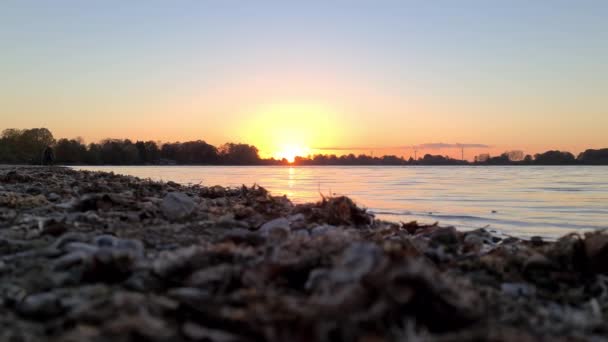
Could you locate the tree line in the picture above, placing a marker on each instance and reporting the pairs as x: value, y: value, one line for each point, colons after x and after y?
x: 26, y: 147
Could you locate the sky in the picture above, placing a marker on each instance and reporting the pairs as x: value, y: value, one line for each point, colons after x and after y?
x: 311, y: 76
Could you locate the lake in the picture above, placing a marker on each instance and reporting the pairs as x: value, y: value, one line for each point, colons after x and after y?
x: 522, y: 201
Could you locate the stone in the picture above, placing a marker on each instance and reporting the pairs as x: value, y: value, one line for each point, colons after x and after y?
x: 199, y: 333
x: 300, y: 233
x: 276, y: 224
x: 354, y: 263
x: 53, y: 197
x: 536, y: 241
x: 189, y: 295
x: 41, y: 305
x: 54, y: 228
x: 596, y: 250
x: 105, y: 240
x: 216, y: 277
x: 80, y: 246
x: 538, y: 261
x: 109, y: 265
x: 177, y: 206
x: 473, y: 243
x: 518, y: 289
x: 444, y: 236
x: 69, y: 260
x: 322, y: 230
x: 179, y: 262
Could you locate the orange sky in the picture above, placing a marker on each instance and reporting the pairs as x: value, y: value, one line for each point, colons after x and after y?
x: 290, y: 77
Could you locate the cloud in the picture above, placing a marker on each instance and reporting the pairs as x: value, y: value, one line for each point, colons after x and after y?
x: 346, y: 148
x: 444, y: 145
x: 429, y: 146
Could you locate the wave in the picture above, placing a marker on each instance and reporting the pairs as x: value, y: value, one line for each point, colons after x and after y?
x: 484, y: 221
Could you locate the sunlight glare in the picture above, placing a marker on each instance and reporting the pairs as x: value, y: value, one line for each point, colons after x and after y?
x: 290, y: 152
x: 286, y: 130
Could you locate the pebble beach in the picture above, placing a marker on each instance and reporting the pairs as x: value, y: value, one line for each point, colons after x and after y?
x: 96, y: 256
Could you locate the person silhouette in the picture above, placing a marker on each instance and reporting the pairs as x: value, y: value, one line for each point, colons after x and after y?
x: 48, y: 156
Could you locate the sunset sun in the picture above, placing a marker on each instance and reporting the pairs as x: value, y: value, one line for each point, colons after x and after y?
x: 288, y: 129
x: 290, y: 152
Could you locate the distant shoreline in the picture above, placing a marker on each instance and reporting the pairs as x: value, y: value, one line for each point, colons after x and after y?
x: 28, y: 147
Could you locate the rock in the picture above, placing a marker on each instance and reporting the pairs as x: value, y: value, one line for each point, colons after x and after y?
x: 144, y: 281
x: 444, y: 236
x: 16, y: 177
x: 569, y: 253
x: 105, y: 240
x: 355, y: 262
x: 322, y: 230
x: 518, y: 289
x: 12, y: 294
x: 300, y: 233
x: 41, y: 305
x: 80, y: 247
x: 228, y: 221
x: 536, y: 241
x: 135, y: 247
x: 189, y: 295
x: 216, y: 277
x: 69, y: 260
x: 342, y: 210
x: 179, y: 262
x: 242, y: 236
x: 89, y: 202
x: 141, y: 326
x: 276, y: 224
x: 109, y: 265
x: 296, y: 218
x: 199, y: 333
x: 54, y: 228
x: 538, y: 261
x: 242, y: 212
x: 596, y: 250
x: 33, y: 190
x: 53, y: 197
x: 473, y: 243
x: 177, y: 206
x: 172, y: 184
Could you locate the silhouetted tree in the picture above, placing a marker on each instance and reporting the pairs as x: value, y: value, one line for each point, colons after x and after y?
x: 71, y: 151
x: 239, y: 154
x: 554, y: 158
x: 24, y: 146
x: 93, y: 156
x: 148, y: 152
x: 119, y: 152
x: 594, y: 157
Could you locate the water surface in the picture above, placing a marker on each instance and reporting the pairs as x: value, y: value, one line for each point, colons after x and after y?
x: 522, y: 201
